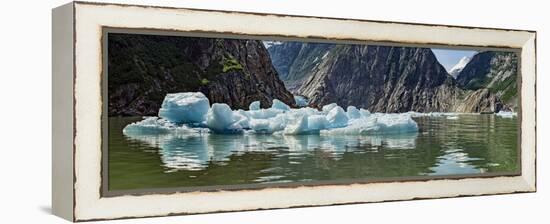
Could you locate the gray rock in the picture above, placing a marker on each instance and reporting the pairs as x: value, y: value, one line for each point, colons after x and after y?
x: 394, y: 79
x: 382, y: 79
x: 144, y: 68
x: 495, y: 71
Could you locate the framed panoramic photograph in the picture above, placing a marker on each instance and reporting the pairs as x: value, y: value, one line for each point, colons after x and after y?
x: 162, y: 111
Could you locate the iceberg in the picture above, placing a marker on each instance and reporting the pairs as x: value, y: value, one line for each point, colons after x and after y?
x: 307, y: 111
x: 277, y: 104
x: 260, y: 126
x: 301, y: 101
x: 328, y: 107
x: 353, y: 112
x: 150, y: 125
x: 506, y: 114
x: 299, y: 126
x: 242, y: 118
x: 395, y: 124
x: 377, y: 124
x: 263, y: 113
x: 189, y: 107
x: 156, y: 126
x: 337, y: 117
x: 267, y: 126
x: 187, y: 113
x: 316, y: 123
x: 254, y: 105
x: 220, y: 119
x: 364, y: 113
x: 435, y: 114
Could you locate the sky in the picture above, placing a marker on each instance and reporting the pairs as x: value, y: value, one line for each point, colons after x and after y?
x: 448, y: 58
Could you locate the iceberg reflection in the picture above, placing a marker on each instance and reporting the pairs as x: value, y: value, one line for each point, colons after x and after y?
x: 195, y: 151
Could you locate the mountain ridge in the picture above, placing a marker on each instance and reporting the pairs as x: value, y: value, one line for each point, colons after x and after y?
x: 458, y: 67
x: 400, y: 77
x: 495, y: 71
x: 142, y: 69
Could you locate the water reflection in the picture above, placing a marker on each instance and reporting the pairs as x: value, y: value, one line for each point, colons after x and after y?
x: 195, y: 151
x: 470, y: 144
x: 455, y: 161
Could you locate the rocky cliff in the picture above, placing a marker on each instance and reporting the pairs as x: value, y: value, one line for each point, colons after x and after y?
x: 494, y: 71
x: 382, y: 79
x: 392, y: 79
x: 295, y: 61
x: 481, y: 100
x: 143, y: 68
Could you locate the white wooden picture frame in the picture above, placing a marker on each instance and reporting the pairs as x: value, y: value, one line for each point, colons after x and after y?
x: 78, y: 106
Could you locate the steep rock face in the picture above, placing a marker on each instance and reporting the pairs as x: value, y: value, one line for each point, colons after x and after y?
x: 495, y: 71
x: 296, y: 61
x: 481, y: 100
x: 143, y: 68
x: 283, y: 56
x: 382, y: 79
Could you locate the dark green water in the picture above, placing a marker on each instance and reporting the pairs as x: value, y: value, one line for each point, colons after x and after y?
x: 471, y: 144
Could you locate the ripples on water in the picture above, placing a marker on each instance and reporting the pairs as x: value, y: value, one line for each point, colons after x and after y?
x: 463, y: 144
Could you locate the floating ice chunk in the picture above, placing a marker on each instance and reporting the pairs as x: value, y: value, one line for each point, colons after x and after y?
x: 337, y: 118
x: 358, y: 127
x: 452, y: 118
x: 506, y: 114
x: 301, y: 101
x: 435, y: 114
x: 395, y: 124
x: 364, y: 113
x: 150, y: 125
x: 242, y: 118
x: 298, y: 126
x: 327, y: 108
x: 277, y: 104
x: 305, y: 111
x: 268, y: 126
x: 220, y: 119
x: 353, y: 112
x: 260, y: 126
x: 185, y: 113
x: 263, y: 113
x: 316, y: 122
x: 415, y: 114
x: 188, y: 107
x: 156, y: 126
x: 278, y: 123
x: 378, y: 124
x: 254, y: 105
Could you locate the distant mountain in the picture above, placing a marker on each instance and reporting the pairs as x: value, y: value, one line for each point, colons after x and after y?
x: 378, y: 78
x: 295, y: 61
x: 382, y: 79
x: 495, y: 71
x: 269, y: 43
x: 455, y: 70
x: 144, y: 68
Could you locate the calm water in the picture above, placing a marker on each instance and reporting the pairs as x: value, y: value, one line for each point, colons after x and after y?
x: 471, y: 144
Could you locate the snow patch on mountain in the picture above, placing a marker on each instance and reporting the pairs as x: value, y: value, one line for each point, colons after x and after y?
x: 269, y: 43
x: 455, y: 70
